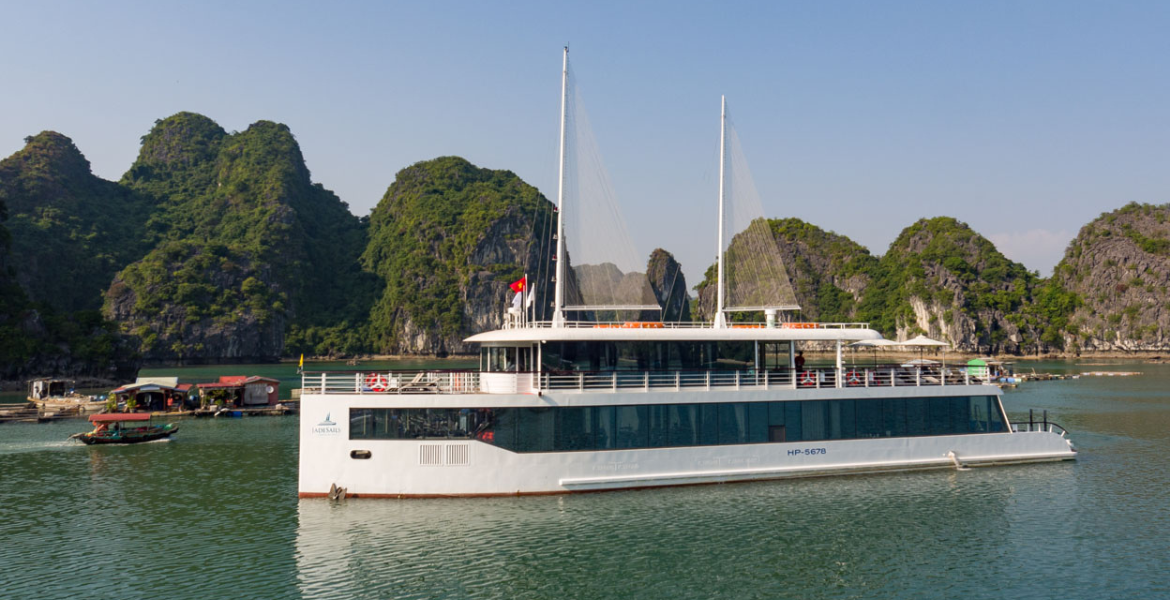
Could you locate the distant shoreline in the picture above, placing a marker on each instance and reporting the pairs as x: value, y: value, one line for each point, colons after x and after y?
x: 847, y: 355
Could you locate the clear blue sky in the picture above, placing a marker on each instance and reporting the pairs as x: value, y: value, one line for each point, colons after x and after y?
x: 1024, y: 119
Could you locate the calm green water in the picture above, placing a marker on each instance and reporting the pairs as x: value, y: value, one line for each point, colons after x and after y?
x: 214, y: 513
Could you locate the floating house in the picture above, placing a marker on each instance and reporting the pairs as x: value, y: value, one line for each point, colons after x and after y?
x: 241, y: 391
x: 989, y: 369
x: 156, y: 394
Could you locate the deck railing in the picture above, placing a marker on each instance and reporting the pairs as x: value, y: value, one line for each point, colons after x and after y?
x: 1042, y: 425
x: 479, y: 382
x: 518, y: 324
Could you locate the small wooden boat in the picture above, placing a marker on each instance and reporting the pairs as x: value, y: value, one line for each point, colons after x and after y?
x: 125, y: 428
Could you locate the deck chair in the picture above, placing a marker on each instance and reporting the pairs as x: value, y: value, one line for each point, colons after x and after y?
x: 418, y: 385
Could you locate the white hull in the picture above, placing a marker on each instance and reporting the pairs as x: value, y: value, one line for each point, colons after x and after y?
x: 465, y: 467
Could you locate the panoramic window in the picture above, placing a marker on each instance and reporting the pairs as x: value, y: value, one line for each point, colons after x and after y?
x: 556, y: 429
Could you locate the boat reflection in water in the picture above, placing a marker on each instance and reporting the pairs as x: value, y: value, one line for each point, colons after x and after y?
x: 780, y: 539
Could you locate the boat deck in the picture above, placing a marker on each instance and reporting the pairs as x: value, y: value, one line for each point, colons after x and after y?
x: 484, y: 382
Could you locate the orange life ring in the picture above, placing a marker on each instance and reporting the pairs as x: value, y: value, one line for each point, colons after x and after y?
x: 808, y: 378
x: 799, y: 325
x: 853, y: 378
x: 377, y: 382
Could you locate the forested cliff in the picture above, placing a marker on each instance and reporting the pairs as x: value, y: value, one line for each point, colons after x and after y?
x: 246, y: 247
x: 446, y: 240
x: 63, y: 234
x: 218, y: 246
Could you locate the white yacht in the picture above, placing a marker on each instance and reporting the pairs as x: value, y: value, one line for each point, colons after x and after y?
x: 565, y: 405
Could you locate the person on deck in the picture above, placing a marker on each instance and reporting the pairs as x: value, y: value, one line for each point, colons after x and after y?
x: 799, y: 362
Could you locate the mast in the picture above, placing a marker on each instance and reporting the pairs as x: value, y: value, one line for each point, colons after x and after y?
x: 719, y: 321
x: 559, y: 288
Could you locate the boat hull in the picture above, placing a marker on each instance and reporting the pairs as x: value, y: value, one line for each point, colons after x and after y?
x: 469, y: 467
x: 152, y: 434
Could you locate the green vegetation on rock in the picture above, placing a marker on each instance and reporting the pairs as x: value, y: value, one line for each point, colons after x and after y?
x: 447, y: 238
x: 245, y: 239
x: 67, y: 232
x: 71, y: 231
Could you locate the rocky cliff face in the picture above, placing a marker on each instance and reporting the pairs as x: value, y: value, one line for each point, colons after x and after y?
x: 446, y: 240
x: 669, y: 286
x: 939, y: 278
x: 942, y: 279
x: 193, y: 302
x: 1118, y: 268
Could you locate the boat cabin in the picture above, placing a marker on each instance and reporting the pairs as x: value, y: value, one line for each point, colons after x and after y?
x: 44, y: 389
x: 239, y: 391
x: 155, y: 394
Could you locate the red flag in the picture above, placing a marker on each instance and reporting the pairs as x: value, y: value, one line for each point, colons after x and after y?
x: 518, y: 286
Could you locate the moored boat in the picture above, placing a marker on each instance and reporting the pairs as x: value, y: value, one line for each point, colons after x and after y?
x: 60, y: 396
x: 125, y: 428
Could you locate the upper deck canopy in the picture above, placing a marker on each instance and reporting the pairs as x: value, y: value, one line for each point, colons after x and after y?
x: 111, y: 417
x: 673, y: 332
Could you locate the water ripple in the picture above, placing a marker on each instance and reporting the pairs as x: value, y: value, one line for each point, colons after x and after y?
x: 214, y: 513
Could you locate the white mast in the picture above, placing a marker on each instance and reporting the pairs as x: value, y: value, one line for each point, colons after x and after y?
x: 719, y: 321
x: 559, y: 289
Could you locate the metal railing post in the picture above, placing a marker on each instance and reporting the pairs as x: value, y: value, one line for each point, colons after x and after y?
x: 737, y: 379
x: 708, y: 380
x: 918, y: 377
x: 677, y: 380
x: 615, y: 381
x: 646, y: 377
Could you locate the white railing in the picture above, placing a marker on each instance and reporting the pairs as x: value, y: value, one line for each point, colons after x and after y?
x: 476, y: 382
x: 678, y: 325
x: 391, y: 382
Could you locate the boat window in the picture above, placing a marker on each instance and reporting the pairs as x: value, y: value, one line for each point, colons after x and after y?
x: 915, y: 416
x: 793, y: 421
x: 560, y: 357
x: 659, y: 426
x: 997, y: 419
x: 757, y: 422
x: 633, y: 427
x: 813, y: 420
x: 869, y: 419
x: 606, y: 427
x: 733, y: 423
x: 563, y: 429
x: 506, y: 359
x: 938, y: 417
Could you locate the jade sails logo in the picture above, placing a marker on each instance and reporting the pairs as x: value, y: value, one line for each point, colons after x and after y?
x: 327, y: 427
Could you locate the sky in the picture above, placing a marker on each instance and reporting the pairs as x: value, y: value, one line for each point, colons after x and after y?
x: 1025, y: 120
